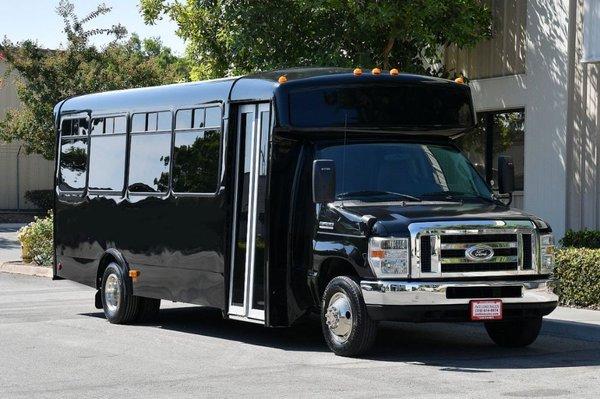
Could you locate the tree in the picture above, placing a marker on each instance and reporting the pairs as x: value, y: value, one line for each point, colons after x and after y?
x: 228, y: 37
x: 46, y: 77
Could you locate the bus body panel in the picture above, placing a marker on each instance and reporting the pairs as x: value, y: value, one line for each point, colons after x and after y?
x: 181, y: 244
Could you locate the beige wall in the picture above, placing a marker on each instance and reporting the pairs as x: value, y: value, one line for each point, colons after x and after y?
x: 542, y: 84
x: 583, y: 176
x: 504, y: 53
x: 34, y: 172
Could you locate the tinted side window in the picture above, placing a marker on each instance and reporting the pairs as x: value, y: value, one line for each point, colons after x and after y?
x: 196, y: 150
x: 107, y: 154
x: 150, y: 152
x: 73, y: 154
x: 149, y: 160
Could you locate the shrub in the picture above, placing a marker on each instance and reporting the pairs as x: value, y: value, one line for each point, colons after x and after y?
x: 581, y: 239
x: 36, y: 241
x: 43, y: 199
x: 578, y: 276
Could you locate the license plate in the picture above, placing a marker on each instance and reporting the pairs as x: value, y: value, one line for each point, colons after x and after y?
x: 486, y: 310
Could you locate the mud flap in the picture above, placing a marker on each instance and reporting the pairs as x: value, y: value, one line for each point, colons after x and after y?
x: 98, y: 300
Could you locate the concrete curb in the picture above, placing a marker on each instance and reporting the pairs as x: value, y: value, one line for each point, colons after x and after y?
x: 26, y: 269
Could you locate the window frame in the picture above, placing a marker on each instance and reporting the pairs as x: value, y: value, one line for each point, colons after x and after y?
x: 79, y: 115
x: 130, y: 134
x: 126, y: 166
x: 488, y: 127
x: 221, y: 130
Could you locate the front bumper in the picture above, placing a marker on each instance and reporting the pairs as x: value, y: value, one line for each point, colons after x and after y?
x: 449, y: 300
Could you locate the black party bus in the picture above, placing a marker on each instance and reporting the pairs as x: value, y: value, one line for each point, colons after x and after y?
x: 277, y: 195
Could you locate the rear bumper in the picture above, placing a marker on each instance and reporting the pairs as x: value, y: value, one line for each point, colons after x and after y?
x: 449, y: 301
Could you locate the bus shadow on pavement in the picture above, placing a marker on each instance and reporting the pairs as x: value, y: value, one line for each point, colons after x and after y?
x: 456, y: 347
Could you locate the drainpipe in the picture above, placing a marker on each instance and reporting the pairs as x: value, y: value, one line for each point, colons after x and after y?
x: 18, y: 180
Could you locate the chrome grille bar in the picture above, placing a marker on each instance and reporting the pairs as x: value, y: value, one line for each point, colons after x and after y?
x: 495, y: 245
x: 447, y: 257
x: 495, y: 259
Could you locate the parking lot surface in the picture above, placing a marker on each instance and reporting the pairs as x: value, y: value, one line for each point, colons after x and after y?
x: 54, y: 343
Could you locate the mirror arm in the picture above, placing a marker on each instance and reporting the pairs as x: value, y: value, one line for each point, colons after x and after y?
x: 504, y: 196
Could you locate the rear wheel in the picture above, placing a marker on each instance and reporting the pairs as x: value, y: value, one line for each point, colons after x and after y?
x: 514, y: 333
x: 120, y: 306
x: 148, y: 309
x: 347, y: 327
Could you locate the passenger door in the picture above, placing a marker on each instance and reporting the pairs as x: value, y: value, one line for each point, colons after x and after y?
x: 249, y: 240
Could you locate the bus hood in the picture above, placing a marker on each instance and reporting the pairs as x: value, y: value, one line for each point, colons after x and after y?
x: 394, y: 218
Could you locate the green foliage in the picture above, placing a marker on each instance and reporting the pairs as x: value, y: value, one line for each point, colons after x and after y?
x: 581, y: 239
x: 578, y: 276
x: 229, y: 37
x: 49, y: 76
x: 42, y: 199
x: 36, y: 241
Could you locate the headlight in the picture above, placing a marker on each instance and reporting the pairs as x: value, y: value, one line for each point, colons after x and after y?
x: 547, y: 253
x: 388, y: 257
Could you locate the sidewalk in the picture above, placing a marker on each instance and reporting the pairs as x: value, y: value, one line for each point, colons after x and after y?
x: 574, y: 315
x: 10, y: 248
x: 19, y: 267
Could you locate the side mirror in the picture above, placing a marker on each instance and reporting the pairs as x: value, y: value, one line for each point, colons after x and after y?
x: 506, y: 175
x: 323, y: 181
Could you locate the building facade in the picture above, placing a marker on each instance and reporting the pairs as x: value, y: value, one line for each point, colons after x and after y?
x: 537, y: 100
x: 19, y: 172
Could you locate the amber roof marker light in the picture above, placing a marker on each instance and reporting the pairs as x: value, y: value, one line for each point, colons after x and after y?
x: 357, y: 72
x: 376, y: 71
x: 282, y: 79
x: 394, y: 72
x: 460, y: 80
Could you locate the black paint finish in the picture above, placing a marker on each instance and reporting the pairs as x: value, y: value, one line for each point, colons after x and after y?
x: 181, y: 242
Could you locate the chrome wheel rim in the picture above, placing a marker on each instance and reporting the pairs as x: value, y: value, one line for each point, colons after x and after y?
x: 338, y: 317
x: 112, y: 292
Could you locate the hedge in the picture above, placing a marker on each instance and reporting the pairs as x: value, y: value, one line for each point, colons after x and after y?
x: 577, y: 276
x: 36, y: 241
x: 581, y: 239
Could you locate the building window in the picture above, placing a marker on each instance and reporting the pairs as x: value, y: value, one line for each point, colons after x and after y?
x: 150, y: 152
x: 73, y: 154
x: 497, y: 133
x: 196, y: 150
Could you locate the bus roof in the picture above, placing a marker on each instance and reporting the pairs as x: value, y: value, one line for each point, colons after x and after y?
x: 259, y: 86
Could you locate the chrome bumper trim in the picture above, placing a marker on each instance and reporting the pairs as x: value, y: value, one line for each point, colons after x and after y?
x: 399, y: 292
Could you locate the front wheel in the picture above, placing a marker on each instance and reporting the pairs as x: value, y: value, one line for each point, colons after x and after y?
x: 347, y: 327
x: 514, y: 333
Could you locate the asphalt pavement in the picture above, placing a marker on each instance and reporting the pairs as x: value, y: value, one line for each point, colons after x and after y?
x: 54, y: 343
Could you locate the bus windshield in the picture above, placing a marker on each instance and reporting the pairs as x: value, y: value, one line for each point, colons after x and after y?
x: 404, y: 172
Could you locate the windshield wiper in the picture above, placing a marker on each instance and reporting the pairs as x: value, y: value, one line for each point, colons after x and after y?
x: 374, y: 193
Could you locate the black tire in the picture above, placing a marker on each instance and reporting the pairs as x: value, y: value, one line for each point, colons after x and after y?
x: 363, y: 330
x: 514, y: 333
x: 148, y: 309
x: 126, y: 308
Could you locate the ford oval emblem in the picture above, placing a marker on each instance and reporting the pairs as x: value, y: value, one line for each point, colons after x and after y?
x: 479, y: 253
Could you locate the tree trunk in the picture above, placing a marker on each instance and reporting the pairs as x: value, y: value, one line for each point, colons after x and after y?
x: 386, y: 52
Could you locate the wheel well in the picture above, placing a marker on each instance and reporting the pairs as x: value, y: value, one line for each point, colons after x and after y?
x: 331, y: 268
x: 104, y: 262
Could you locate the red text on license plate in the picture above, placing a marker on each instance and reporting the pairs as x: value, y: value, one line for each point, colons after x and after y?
x: 486, y: 310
